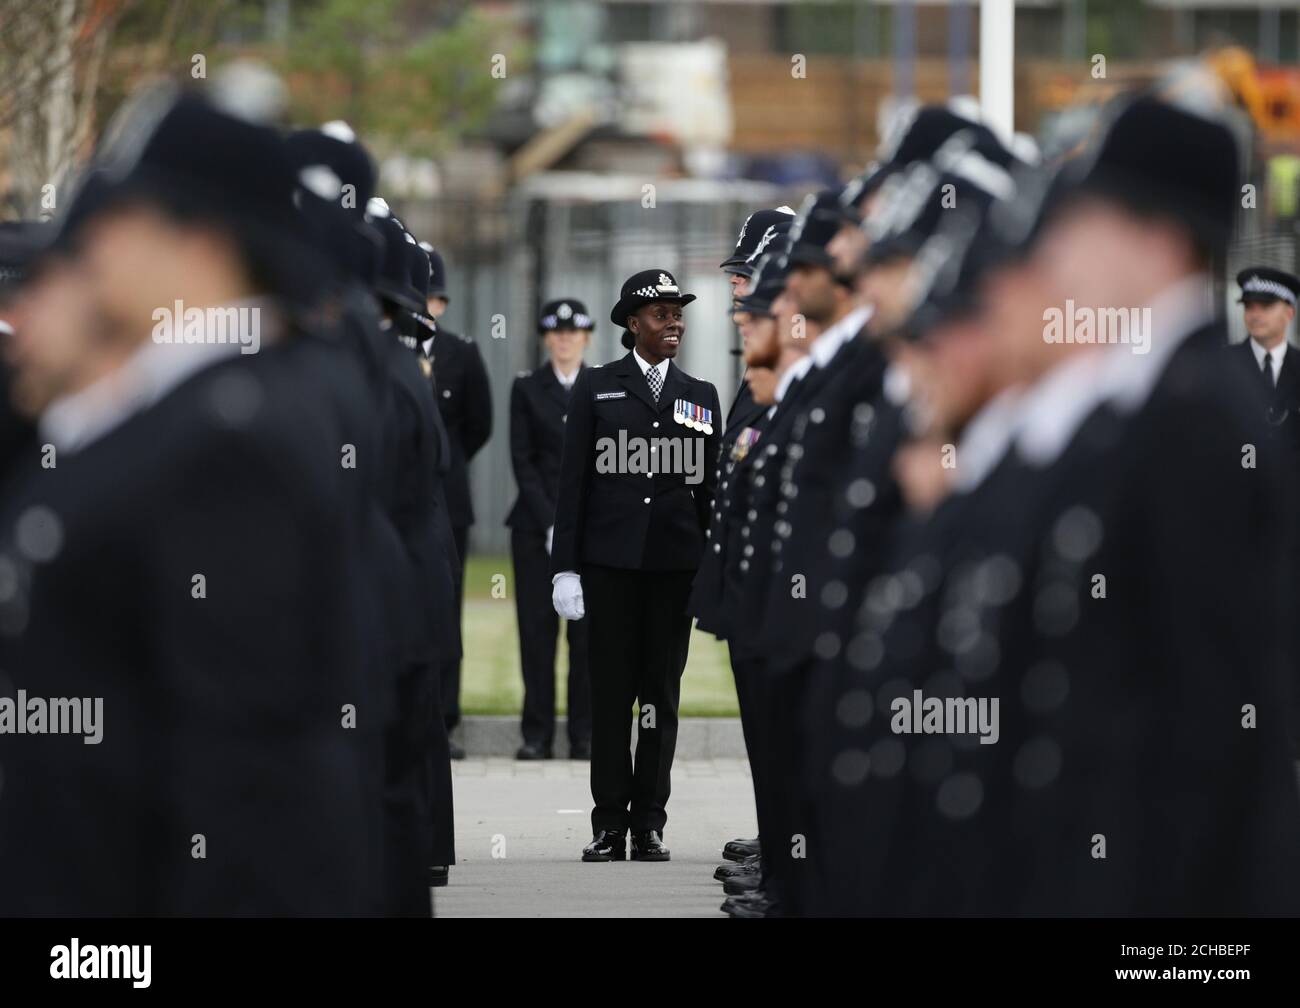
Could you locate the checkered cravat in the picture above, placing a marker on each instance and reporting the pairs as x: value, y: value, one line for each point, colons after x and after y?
x: 656, y: 382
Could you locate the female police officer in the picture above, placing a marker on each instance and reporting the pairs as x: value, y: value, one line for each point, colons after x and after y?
x: 636, y: 488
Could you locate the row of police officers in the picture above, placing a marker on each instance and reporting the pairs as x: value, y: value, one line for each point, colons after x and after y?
x: 999, y: 532
x: 232, y: 529
x: 1003, y: 534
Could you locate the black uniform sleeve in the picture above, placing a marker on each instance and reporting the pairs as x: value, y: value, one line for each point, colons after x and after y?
x: 576, y: 469
x: 477, y: 400
x: 523, y: 458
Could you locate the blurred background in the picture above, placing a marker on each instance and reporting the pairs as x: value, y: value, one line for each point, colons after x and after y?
x: 552, y: 148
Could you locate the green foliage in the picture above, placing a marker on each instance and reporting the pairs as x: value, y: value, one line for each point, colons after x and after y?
x: 410, y: 76
x: 418, y: 88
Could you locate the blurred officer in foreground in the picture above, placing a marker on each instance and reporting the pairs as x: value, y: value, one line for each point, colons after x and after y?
x: 182, y: 547
x: 465, y: 403
x: 418, y: 465
x: 636, y: 491
x: 1007, y: 726
x: 539, y: 407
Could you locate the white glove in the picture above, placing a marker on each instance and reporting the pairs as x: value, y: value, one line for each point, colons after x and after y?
x: 566, y: 595
x: 550, y: 534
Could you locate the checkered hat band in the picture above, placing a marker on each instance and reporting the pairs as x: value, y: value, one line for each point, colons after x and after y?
x: 1258, y: 285
x: 575, y: 321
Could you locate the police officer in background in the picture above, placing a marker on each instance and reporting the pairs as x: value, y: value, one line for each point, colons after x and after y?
x: 465, y: 402
x: 1268, y: 299
x: 539, y: 404
x: 628, y: 540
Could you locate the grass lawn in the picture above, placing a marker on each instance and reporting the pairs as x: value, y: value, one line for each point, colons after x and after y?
x: 490, y: 679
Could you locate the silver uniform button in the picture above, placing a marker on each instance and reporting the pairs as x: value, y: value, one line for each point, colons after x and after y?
x: 647, y: 500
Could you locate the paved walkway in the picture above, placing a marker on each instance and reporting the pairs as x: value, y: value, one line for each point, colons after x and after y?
x: 520, y: 829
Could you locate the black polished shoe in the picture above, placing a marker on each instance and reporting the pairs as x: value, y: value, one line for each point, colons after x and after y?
x: 740, y: 884
x: 580, y: 751
x: 529, y: 751
x: 439, y: 876
x: 735, y: 869
x: 648, y: 845
x: 607, y: 845
x: 736, y: 850
x: 457, y: 751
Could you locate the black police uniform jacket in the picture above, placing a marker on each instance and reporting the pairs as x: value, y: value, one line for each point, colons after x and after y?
x: 222, y: 714
x: 1281, y: 400
x: 632, y: 520
x: 538, y: 407
x: 707, y: 593
x: 460, y: 384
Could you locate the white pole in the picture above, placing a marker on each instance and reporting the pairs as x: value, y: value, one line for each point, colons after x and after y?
x: 997, y: 65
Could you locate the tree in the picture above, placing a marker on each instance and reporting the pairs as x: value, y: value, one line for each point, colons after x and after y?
x: 51, y: 58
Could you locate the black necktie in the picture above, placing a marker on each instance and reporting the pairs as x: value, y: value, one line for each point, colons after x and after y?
x: 655, y: 381
x: 1267, y: 369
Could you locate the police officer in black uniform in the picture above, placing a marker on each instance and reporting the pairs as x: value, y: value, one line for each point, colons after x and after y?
x: 227, y: 780
x: 539, y: 405
x: 1268, y: 299
x: 465, y: 402
x: 636, y: 488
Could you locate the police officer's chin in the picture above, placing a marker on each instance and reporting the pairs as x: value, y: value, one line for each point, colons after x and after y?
x: 668, y: 344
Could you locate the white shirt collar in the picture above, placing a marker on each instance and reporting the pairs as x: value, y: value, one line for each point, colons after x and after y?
x: 1057, y: 404
x: 565, y: 380
x: 828, y: 343
x: 661, y: 367
x: 986, y: 439
x: 1175, y: 313
x: 1277, y: 353
x: 74, y: 421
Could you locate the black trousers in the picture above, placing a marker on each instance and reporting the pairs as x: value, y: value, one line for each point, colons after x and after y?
x: 638, y: 637
x: 783, y: 821
x: 409, y: 799
x: 441, y: 799
x: 745, y: 671
x: 538, y: 633
x: 450, y: 668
